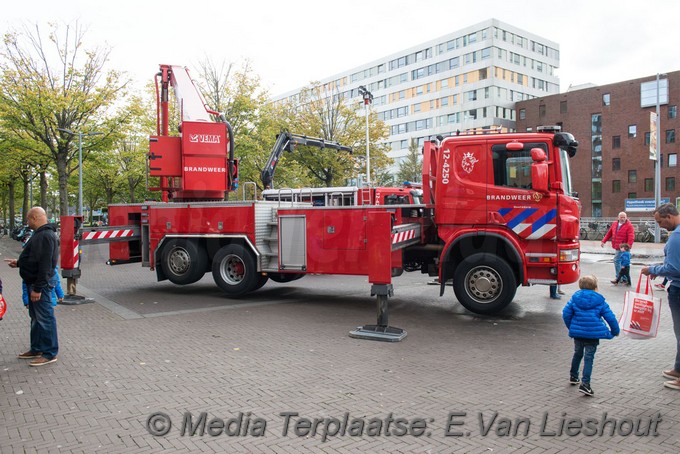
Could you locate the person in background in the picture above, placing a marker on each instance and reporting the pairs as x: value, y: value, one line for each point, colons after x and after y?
x: 2, y: 309
x: 668, y: 217
x: 57, y: 291
x: 621, y: 231
x: 624, y: 272
x: 589, y: 319
x: 555, y: 292
x: 36, y: 264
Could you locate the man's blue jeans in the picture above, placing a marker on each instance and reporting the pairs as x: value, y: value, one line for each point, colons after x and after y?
x: 43, y: 325
x: 674, y: 305
x: 584, y: 349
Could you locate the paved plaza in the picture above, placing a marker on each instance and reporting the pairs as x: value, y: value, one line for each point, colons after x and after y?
x: 151, y: 367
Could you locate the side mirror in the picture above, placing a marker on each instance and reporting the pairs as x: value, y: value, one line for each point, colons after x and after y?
x: 539, y: 171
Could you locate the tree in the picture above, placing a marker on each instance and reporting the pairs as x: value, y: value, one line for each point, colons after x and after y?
x: 57, y: 84
x: 236, y: 92
x: 319, y: 111
x: 411, y: 168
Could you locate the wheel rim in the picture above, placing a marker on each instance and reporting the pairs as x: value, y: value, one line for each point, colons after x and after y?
x: 179, y: 261
x: 232, y: 270
x: 483, y: 284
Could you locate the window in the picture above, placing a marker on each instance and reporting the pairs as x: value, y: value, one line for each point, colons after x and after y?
x: 632, y: 195
x: 670, y: 135
x: 541, y: 110
x: 672, y: 111
x: 649, y: 184
x: 648, y: 136
x: 632, y: 131
x: 632, y: 176
x: 616, y: 164
x: 672, y: 160
x: 616, y: 142
x: 522, y: 114
x: 606, y: 99
x: 563, y: 107
x: 616, y: 185
x: 513, y: 168
x: 670, y: 184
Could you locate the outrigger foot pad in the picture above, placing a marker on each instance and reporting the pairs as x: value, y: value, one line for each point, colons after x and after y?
x: 71, y: 300
x: 378, y: 333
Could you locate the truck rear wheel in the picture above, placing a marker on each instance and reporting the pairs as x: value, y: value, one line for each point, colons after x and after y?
x: 234, y: 270
x: 484, y: 283
x: 184, y: 261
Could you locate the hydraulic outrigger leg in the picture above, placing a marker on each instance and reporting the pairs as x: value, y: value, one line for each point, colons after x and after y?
x: 380, y: 331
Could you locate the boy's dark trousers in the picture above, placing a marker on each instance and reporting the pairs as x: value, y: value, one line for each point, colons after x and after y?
x: 624, y: 275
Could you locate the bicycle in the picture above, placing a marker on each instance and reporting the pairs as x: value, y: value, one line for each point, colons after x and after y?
x: 644, y: 233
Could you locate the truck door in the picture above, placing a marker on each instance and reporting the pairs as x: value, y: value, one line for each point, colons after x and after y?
x: 511, y: 199
x: 462, y: 182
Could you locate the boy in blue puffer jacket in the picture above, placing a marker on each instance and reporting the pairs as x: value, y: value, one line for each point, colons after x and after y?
x: 583, y: 315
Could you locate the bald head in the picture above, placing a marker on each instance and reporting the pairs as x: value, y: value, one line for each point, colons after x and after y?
x: 36, y: 217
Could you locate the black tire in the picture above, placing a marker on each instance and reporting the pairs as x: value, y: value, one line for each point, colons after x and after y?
x: 583, y: 234
x: 234, y: 270
x: 184, y: 261
x: 282, y: 278
x: 484, y: 283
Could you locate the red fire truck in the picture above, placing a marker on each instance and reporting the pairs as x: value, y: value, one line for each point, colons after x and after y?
x: 497, y: 212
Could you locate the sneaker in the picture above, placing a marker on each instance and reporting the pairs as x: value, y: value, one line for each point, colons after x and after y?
x: 660, y: 287
x: 29, y: 355
x: 574, y: 380
x: 671, y: 374
x: 673, y: 384
x: 555, y: 297
x: 42, y: 361
x: 560, y: 292
x: 614, y: 282
x: 588, y: 391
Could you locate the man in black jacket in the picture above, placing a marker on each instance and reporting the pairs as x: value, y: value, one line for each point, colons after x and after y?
x: 36, y: 266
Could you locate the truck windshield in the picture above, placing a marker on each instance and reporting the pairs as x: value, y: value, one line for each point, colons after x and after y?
x: 566, y: 173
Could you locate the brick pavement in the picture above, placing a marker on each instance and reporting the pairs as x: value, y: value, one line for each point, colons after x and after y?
x: 287, y: 350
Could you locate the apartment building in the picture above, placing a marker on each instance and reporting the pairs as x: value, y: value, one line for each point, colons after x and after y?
x: 612, y: 170
x: 468, y: 79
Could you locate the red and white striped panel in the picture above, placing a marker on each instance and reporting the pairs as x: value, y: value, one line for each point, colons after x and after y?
x: 403, y: 236
x: 76, y: 255
x: 105, y: 234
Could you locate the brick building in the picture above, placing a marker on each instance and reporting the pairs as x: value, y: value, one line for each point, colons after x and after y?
x: 612, y: 125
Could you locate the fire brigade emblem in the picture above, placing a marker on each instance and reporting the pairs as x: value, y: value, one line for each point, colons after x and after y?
x: 537, y: 196
x: 469, y: 162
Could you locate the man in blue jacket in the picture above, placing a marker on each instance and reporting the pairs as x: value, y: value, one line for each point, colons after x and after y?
x: 585, y: 315
x: 667, y: 217
x: 36, y: 264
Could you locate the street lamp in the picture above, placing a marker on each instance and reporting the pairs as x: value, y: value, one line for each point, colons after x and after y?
x: 368, y: 98
x: 80, y: 162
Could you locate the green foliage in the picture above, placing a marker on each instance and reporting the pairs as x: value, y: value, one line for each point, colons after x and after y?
x: 321, y: 112
x: 411, y: 168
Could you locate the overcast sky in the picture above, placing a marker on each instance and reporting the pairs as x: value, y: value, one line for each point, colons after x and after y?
x: 290, y: 43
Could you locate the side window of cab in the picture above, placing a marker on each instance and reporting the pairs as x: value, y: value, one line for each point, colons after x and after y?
x: 512, y: 169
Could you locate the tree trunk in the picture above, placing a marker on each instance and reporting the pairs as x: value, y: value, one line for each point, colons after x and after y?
x: 43, y: 191
x: 12, y: 208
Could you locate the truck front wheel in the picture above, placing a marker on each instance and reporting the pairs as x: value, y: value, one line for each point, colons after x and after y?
x: 184, y: 261
x: 484, y: 283
x: 234, y: 270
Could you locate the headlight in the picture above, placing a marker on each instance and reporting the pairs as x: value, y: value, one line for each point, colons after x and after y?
x: 569, y: 255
